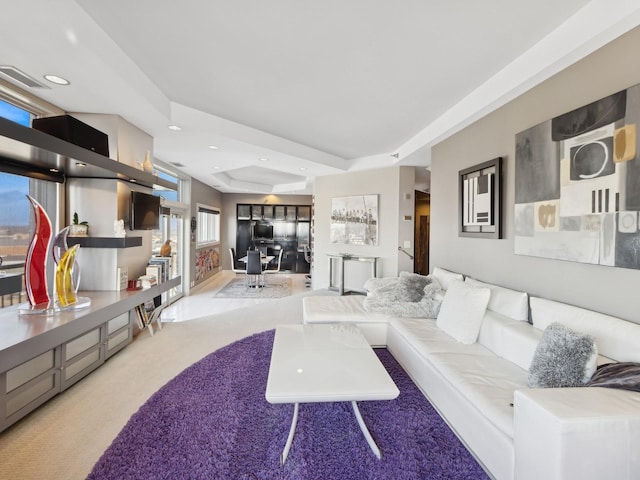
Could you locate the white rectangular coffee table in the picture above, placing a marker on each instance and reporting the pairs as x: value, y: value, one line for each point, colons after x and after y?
x: 326, y: 363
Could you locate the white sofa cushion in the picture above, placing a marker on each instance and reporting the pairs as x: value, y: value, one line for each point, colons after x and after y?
x: 616, y: 338
x: 346, y: 308
x: 462, y: 311
x: 445, y: 276
x: 508, y: 302
x: 487, y: 381
x: 426, y: 338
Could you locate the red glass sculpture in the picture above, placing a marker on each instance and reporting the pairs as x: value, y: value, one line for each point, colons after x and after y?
x: 35, y: 271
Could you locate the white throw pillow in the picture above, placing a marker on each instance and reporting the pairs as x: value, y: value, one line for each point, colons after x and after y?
x: 462, y: 311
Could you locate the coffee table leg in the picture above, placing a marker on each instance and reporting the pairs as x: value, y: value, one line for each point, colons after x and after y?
x: 365, y: 431
x: 292, y: 430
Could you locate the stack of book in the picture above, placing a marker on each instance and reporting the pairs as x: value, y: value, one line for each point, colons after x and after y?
x: 142, y: 316
x: 161, y: 267
x: 148, y: 281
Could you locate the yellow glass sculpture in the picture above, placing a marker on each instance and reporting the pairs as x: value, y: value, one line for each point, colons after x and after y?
x: 65, y: 288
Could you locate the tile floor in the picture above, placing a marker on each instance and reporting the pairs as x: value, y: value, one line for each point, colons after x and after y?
x: 201, y: 302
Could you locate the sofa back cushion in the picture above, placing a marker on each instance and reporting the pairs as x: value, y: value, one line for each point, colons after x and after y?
x: 445, y: 276
x: 615, y: 338
x: 507, y: 302
x: 510, y: 339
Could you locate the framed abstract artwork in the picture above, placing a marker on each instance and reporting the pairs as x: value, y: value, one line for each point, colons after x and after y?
x: 577, y: 192
x: 479, y: 211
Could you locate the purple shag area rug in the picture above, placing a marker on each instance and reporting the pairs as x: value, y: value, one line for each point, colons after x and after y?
x: 212, y: 422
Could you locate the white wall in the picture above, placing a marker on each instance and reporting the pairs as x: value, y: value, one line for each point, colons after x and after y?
x: 391, y: 185
x: 605, y: 289
x: 100, y: 202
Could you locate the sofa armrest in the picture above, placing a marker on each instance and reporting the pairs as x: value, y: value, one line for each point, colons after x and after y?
x: 585, y: 433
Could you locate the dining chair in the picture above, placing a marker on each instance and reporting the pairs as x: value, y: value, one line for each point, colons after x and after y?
x: 277, y: 269
x: 254, y: 269
x: 232, y: 253
x: 307, y: 258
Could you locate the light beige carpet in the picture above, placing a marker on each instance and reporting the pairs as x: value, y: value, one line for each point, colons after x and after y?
x: 275, y: 287
x: 65, y: 437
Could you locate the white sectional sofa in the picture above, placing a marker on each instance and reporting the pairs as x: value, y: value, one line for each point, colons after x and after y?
x: 481, y: 388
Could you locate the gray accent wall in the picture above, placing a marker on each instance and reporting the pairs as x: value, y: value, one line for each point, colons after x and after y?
x: 604, y: 289
x: 204, y: 195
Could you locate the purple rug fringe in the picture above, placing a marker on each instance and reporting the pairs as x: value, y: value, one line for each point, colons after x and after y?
x: 213, y: 422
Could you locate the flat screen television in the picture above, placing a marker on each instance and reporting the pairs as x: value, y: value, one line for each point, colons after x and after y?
x: 263, y: 230
x: 145, y: 211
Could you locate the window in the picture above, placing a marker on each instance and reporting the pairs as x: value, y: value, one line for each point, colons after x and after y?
x: 208, y: 226
x: 16, y: 218
x: 171, y: 195
x: 15, y: 114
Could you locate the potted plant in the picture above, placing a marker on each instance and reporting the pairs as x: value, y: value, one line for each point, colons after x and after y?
x: 78, y: 228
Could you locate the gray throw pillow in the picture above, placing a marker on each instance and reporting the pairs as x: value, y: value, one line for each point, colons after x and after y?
x: 563, y: 358
x: 410, y: 287
x: 624, y: 375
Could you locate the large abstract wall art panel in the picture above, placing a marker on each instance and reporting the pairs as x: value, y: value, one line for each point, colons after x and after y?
x: 578, y: 184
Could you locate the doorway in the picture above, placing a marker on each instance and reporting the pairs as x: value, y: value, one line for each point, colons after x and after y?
x: 171, y: 230
x: 421, y: 232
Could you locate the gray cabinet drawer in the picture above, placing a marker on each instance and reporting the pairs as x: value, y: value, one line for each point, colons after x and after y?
x: 31, y: 393
x: 81, y: 356
x: 29, y: 370
x: 29, y: 385
x: 81, y: 344
x: 117, y: 323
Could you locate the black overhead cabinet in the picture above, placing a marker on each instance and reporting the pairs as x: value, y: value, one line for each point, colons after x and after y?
x: 271, y: 228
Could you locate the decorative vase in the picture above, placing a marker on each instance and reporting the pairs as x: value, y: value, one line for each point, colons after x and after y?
x: 147, y: 166
x: 165, y: 250
x: 35, y: 270
x: 65, y: 286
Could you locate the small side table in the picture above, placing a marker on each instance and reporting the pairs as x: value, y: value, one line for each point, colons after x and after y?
x: 340, y: 258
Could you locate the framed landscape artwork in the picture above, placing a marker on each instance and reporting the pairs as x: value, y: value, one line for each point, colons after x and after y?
x: 354, y: 220
x: 577, y: 192
x: 479, y: 209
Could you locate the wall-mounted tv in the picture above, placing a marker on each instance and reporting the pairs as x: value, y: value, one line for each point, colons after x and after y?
x: 145, y: 211
x: 263, y: 230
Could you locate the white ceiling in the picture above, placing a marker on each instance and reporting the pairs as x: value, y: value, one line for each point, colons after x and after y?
x: 315, y: 88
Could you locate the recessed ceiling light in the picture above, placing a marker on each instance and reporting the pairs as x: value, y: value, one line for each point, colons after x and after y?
x: 56, y: 79
x: 263, y: 159
x: 213, y: 147
x: 216, y: 167
x: 175, y: 128
x: 81, y: 164
x: 303, y: 168
x: 54, y: 170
